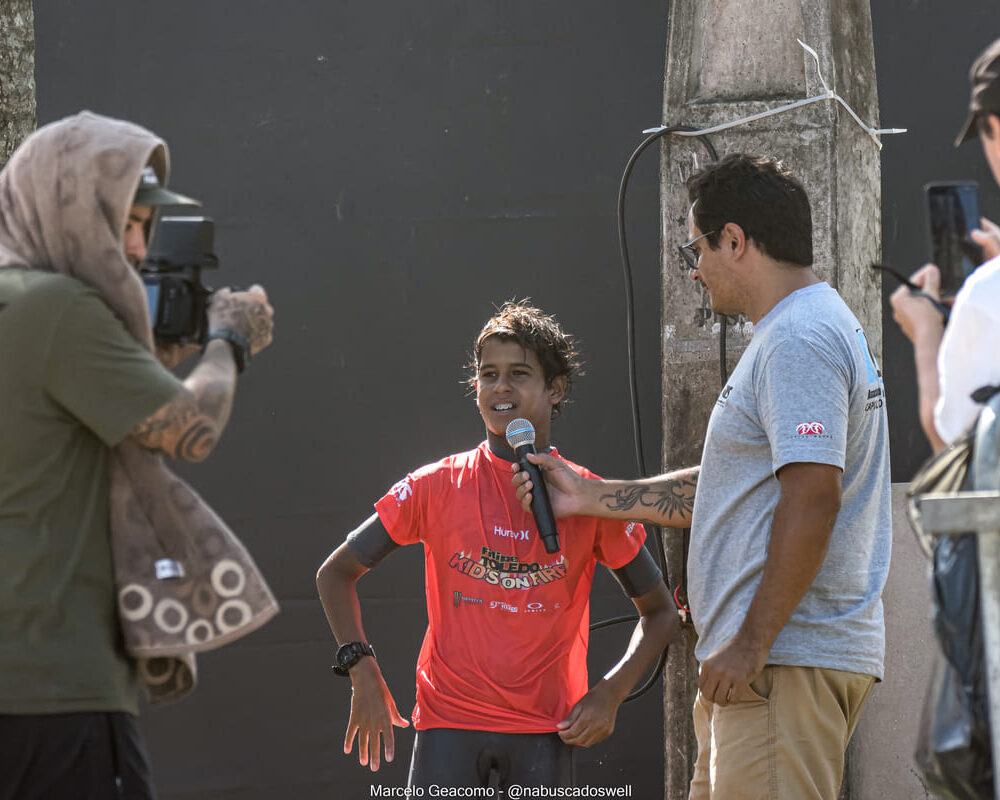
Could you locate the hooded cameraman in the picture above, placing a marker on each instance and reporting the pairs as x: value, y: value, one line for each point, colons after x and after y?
x: 81, y: 389
x: 952, y: 363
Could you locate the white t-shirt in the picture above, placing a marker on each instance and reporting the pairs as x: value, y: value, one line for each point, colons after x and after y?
x: 970, y: 351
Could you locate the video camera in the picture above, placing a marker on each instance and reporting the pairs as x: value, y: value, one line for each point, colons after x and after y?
x: 178, y: 301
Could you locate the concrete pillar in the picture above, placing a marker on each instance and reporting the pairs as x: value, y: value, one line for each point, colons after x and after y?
x: 728, y: 59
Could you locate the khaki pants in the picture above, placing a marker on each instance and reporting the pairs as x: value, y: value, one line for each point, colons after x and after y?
x: 785, y: 740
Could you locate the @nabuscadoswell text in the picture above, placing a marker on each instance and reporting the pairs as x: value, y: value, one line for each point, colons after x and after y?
x: 512, y: 792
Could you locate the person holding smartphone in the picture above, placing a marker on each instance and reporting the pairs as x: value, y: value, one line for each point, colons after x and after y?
x: 954, y: 362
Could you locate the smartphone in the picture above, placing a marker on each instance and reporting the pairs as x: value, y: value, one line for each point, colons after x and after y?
x: 952, y: 215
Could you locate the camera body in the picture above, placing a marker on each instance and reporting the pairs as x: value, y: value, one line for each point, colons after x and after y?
x: 178, y: 300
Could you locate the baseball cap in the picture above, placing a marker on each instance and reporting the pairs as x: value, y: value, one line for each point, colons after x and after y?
x: 150, y: 193
x: 985, y: 79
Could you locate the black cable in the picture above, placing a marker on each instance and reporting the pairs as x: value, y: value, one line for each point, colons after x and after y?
x: 627, y: 267
x: 633, y: 380
x: 607, y: 623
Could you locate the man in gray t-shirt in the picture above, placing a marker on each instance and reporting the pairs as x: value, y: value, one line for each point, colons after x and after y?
x: 807, y: 390
x: 790, y: 526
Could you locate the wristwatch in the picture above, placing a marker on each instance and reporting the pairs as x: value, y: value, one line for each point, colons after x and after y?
x: 238, y: 344
x: 349, y: 654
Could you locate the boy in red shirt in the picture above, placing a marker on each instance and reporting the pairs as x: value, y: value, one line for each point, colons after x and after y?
x: 502, y: 674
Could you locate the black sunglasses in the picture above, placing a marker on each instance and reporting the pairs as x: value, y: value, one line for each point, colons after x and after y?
x: 689, y: 256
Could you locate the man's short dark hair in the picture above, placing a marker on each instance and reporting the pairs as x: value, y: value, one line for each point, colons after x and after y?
x: 760, y: 195
x: 533, y: 329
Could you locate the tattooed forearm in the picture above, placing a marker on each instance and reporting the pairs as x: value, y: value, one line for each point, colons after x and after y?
x: 214, y: 383
x: 189, y: 426
x: 196, y: 442
x: 156, y: 431
x: 672, y: 500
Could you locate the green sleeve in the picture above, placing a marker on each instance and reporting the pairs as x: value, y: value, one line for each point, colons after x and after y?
x: 101, y: 375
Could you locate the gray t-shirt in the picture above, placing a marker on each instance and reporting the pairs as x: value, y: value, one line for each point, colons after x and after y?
x: 807, y: 389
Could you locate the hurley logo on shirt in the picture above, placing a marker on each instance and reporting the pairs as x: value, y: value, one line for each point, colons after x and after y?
x: 507, y: 533
x: 809, y: 429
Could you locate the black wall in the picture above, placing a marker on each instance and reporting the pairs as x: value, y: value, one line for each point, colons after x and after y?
x: 388, y: 171
x: 923, y: 50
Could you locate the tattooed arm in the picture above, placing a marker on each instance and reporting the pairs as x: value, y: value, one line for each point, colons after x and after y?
x: 666, y: 500
x: 190, y: 424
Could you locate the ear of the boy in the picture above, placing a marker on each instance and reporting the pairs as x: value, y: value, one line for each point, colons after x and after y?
x: 557, y: 389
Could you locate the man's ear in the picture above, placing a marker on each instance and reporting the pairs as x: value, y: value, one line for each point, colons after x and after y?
x: 735, y: 240
x: 557, y: 389
x: 993, y: 123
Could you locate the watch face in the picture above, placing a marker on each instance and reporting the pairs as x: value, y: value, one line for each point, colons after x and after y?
x: 351, y: 653
x: 346, y: 656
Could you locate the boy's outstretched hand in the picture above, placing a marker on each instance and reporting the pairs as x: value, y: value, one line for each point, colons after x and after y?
x: 373, y: 715
x: 567, y: 490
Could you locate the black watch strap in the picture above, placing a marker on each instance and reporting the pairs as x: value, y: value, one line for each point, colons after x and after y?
x: 238, y: 344
x: 349, y: 654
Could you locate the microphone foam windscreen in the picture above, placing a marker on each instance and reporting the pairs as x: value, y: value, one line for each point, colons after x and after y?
x: 519, y: 432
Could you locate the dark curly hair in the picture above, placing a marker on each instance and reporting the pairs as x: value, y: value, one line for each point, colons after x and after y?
x: 763, y: 197
x: 519, y: 321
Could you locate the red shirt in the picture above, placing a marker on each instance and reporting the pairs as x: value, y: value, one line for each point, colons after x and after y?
x: 506, y: 642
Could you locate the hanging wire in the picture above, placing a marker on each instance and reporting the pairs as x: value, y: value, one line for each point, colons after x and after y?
x: 640, y: 457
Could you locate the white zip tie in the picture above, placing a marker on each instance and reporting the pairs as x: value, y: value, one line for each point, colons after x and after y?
x: 829, y: 94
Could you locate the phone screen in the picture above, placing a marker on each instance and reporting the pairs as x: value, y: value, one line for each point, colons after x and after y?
x: 953, y: 213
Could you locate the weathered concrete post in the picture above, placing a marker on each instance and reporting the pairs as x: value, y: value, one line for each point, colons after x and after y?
x: 728, y: 59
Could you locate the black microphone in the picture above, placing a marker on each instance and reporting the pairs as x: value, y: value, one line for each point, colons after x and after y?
x: 521, y: 436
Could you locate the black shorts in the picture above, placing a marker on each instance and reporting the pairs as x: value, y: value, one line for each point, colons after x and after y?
x: 93, y: 755
x: 463, y: 759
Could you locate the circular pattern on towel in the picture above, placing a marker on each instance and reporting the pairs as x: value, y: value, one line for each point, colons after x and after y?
x: 223, y: 619
x: 183, y: 498
x: 135, y: 602
x: 204, y: 600
x: 114, y: 163
x: 199, y: 632
x: 228, y: 578
x: 157, y: 671
x: 211, y: 541
x: 168, y: 607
